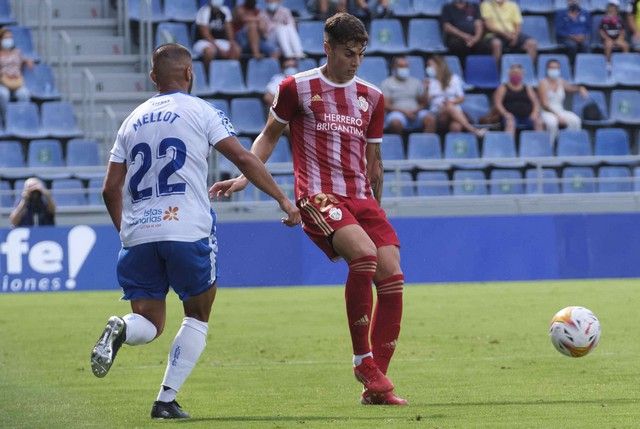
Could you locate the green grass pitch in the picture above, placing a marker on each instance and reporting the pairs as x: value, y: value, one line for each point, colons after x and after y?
x: 471, y: 355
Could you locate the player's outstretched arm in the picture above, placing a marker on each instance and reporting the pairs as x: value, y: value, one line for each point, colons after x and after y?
x: 112, y: 191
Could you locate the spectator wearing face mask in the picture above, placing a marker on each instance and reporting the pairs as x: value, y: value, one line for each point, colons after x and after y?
x: 215, y: 33
x: 11, y: 63
x: 282, y: 29
x: 517, y: 103
x: 573, y: 28
x: 612, y: 30
x: 289, y: 67
x: 552, y: 92
x: 405, y: 101
x: 463, y: 30
x: 251, y: 26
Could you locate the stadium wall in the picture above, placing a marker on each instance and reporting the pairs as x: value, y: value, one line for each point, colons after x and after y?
x: 436, y: 249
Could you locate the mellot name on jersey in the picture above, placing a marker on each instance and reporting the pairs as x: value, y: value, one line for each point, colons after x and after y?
x: 160, y: 116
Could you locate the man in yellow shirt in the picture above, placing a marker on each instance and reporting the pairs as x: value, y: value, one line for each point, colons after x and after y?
x: 502, y: 18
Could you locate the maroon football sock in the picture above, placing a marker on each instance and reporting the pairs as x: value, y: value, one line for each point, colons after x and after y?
x: 359, y: 299
x: 386, y: 320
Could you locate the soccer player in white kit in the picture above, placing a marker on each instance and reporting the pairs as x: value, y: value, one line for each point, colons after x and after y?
x: 156, y: 194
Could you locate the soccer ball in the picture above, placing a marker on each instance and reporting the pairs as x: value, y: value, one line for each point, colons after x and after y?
x: 574, y: 331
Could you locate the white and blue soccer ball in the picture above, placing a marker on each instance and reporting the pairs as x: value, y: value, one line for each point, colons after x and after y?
x: 574, y: 331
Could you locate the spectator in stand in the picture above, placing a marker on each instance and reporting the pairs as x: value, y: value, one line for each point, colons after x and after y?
x: 502, y: 19
x: 517, y: 103
x: 633, y: 22
x: 36, y: 207
x: 11, y: 63
x: 612, y: 30
x: 282, y: 29
x: 573, y: 28
x: 445, y: 94
x: 362, y: 9
x: 405, y: 100
x: 463, y: 30
x: 289, y: 67
x: 552, y: 91
x: 323, y: 9
x: 251, y: 27
x: 215, y: 33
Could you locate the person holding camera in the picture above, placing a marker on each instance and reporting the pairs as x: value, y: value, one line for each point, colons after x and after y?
x: 36, y: 206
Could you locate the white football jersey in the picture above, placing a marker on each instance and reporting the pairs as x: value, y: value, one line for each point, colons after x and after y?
x: 165, y: 143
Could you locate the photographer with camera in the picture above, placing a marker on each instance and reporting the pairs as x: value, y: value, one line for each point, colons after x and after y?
x: 36, y: 206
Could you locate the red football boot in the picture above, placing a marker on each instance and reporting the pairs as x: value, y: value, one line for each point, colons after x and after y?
x: 387, y: 398
x: 370, y: 375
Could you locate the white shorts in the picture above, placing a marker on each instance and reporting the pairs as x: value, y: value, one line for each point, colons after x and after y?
x: 202, y: 44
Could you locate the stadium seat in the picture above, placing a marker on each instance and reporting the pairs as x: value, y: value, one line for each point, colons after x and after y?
x: 386, y: 37
x: 574, y: 143
x: 6, y: 194
x: 598, y: 5
x: 403, y: 8
x: 538, y: 28
x: 398, y: 185
x: 312, y: 37
x: 247, y: 115
x: 23, y: 40
x: 425, y: 36
x: 527, y: 65
x: 545, y: 183
x: 612, y: 142
x: 599, y: 98
x: 11, y: 156
x: 537, y: 144
x: 636, y: 179
x: 475, y: 106
x: 46, y: 153
x: 282, y: 151
x: 578, y: 180
x: 614, y: 179
x: 481, y: 71
x: 439, y: 187
x: 424, y: 146
x: 94, y: 192
x: 305, y: 64
x: 416, y: 66
x: 226, y: 77
x: 84, y: 153
x: 180, y: 10
x: 428, y: 7
x: 201, y: 86
x: 220, y: 104
x: 136, y: 12
x: 596, y: 39
x: 506, y: 182
x: 500, y: 144
x: 565, y: 67
x: 626, y: 68
x: 373, y: 69
x: 259, y: 73
x: 455, y: 67
x: 591, y: 70
x: 392, y: 148
x: 58, y: 120
x: 469, y: 182
x: 6, y: 13
x: 536, y: 6
x: 41, y: 82
x: 68, y: 192
x: 625, y: 106
x: 173, y: 32
x: 286, y: 182
x: 461, y: 146
x: 298, y: 9
x: 23, y: 120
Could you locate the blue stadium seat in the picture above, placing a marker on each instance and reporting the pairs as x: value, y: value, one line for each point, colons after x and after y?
x: 439, y: 187
x: 542, y: 184
x: 578, y: 180
x: 373, y: 69
x: 598, y: 5
x: 307, y: 64
x: 424, y: 146
x: 226, y: 77
x: 6, y: 13
x: 180, y: 10
x: 500, y: 144
x: 173, y: 32
x: 506, y: 182
x: 247, y: 115
x: 626, y: 68
x: 455, y: 66
x: 612, y: 142
x: 68, y: 192
x: 536, y: 6
x: 23, y: 120
x: 46, y: 153
x: 636, y: 179
x: 259, y: 73
x: 282, y: 151
x: 298, y: 9
x: 538, y: 28
x: 625, y: 106
x: 201, y: 86
x: 535, y: 144
x: 220, y: 104
x: 599, y: 98
x: 565, y: 67
x: 41, y: 82
x: 469, y: 182
x: 94, y: 192
x: 574, y: 143
x: 416, y: 66
x: 11, y: 156
x: 6, y: 194
x: 386, y: 37
x: 23, y: 40
x: 402, y: 8
x: 312, y: 37
x: 475, y: 106
x: 398, y: 185
x: 286, y: 182
x: 135, y: 11
x: 58, y: 120
x: 591, y: 70
x: 428, y: 7
x: 84, y: 153
x: 481, y: 71
x: 596, y: 39
x: 614, y: 179
x: 462, y: 146
x: 392, y: 147
x: 527, y: 65
x: 424, y: 36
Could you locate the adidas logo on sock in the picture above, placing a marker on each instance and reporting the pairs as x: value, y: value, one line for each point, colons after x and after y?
x: 363, y: 321
x: 390, y: 345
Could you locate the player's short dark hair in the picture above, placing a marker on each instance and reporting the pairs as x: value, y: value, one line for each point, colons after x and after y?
x: 343, y: 28
x: 170, y: 53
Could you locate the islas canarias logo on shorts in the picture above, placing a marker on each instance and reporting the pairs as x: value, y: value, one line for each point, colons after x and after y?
x: 335, y: 213
x: 171, y: 213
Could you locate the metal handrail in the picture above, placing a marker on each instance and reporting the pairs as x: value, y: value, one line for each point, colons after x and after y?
x: 45, y: 16
x: 111, y: 128
x: 88, y: 101
x: 64, y: 65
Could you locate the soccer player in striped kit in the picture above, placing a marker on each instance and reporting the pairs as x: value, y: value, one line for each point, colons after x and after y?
x: 336, y: 121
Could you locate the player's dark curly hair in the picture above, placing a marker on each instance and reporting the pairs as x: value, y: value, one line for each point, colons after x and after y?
x: 343, y: 28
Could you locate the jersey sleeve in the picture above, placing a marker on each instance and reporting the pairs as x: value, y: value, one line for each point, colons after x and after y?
x: 285, y: 103
x: 219, y: 127
x: 376, y: 124
x: 118, y: 152
x: 202, y: 16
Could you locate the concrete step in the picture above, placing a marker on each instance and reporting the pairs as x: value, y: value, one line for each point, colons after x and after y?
x: 72, y: 9
x: 104, y: 63
x: 119, y: 101
x: 114, y: 82
x: 80, y: 27
x: 93, y: 45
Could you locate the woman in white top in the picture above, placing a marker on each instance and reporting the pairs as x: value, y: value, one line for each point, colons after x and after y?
x: 282, y: 28
x: 445, y: 96
x: 552, y: 91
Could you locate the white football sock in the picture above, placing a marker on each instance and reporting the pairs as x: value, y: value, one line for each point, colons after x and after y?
x: 357, y: 359
x: 187, y: 346
x: 139, y: 329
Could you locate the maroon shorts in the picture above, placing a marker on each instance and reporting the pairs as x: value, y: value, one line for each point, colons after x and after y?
x: 323, y: 214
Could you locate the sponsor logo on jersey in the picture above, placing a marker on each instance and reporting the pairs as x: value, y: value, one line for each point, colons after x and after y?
x: 335, y: 213
x: 171, y: 213
x: 363, y: 104
x: 149, y: 217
